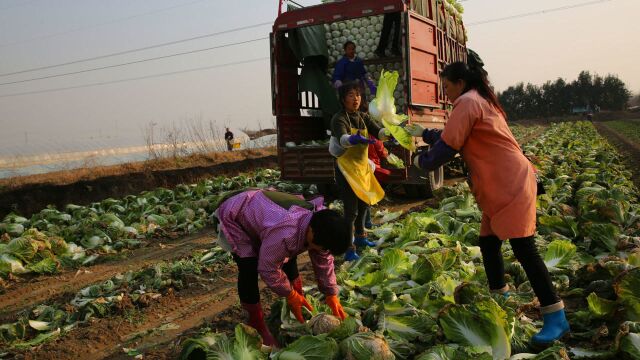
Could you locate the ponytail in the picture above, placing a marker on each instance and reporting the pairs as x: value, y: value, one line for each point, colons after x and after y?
x: 475, y: 78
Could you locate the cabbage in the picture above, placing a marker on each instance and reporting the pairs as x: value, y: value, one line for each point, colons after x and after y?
x: 630, y: 345
x: 395, y: 161
x: 23, y: 248
x: 12, y: 229
x: 58, y: 245
x: 245, y: 346
x: 309, y: 348
x: 40, y: 325
x: 627, y: 287
x: 394, y: 263
x: 323, y: 323
x: 559, y: 253
x: 481, y: 324
x: 366, y: 346
x: 600, y: 307
x: 45, y: 266
x: 10, y: 264
x: 15, y: 219
x: 93, y: 242
x: 408, y: 328
x: 454, y: 352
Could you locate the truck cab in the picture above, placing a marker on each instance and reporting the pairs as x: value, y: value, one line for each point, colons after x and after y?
x: 305, y: 44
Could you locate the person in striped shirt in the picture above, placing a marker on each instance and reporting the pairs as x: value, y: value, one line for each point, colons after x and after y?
x: 266, y: 231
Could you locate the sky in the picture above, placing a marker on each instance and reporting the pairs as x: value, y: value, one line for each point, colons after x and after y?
x: 601, y: 38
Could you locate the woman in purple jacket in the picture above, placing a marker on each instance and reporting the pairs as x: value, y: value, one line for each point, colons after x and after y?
x: 266, y: 231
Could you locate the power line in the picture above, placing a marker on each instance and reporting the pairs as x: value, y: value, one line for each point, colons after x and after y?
x: 562, y: 8
x: 100, y: 24
x: 136, y: 78
x: 114, y: 21
x: 134, y: 62
x: 137, y: 49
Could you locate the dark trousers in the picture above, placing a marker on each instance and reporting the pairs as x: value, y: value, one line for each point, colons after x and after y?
x: 354, y: 208
x: 248, y: 277
x: 391, y: 21
x: 527, y: 254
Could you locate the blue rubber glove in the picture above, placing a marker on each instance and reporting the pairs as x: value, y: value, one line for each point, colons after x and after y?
x: 431, y: 136
x: 359, y: 139
x: 372, y: 87
x: 439, y: 154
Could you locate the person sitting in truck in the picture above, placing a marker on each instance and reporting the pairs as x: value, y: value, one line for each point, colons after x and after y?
x: 351, y: 68
x: 503, y: 182
x: 349, y: 143
x: 266, y: 231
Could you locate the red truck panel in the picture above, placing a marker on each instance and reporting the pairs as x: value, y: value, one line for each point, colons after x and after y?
x: 335, y: 11
x: 423, y: 61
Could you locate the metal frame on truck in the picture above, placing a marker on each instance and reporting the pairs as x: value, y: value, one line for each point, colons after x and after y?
x: 426, y: 49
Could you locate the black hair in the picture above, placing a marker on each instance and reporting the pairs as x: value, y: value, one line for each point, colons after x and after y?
x: 346, y: 88
x: 331, y: 231
x: 475, y: 78
x: 349, y: 42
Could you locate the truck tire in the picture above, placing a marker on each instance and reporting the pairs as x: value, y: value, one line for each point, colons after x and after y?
x: 432, y: 182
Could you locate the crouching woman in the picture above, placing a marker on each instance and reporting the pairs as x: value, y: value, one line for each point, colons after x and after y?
x: 266, y: 231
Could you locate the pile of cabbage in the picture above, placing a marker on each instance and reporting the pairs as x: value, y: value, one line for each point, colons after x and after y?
x: 422, y: 292
x: 365, y: 33
x: 77, y: 235
x: 449, y: 15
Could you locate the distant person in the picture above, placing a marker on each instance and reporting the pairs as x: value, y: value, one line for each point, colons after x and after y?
x: 503, y: 182
x: 265, y: 231
x: 228, y: 136
x: 351, y: 68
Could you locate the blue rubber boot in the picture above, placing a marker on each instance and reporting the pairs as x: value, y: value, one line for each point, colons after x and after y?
x: 554, y: 327
x: 362, y: 241
x: 351, y: 255
x: 504, y: 291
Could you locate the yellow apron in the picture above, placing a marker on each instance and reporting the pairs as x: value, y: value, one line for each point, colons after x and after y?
x: 354, y: 165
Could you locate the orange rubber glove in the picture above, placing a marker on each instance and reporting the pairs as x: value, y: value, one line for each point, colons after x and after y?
x: 334, y: 304
x: 296, y: 302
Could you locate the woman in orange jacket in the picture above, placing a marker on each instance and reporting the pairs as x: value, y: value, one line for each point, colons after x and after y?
x: 502, y: 180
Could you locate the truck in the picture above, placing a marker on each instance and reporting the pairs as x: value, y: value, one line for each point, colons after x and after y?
x: 305, y: 42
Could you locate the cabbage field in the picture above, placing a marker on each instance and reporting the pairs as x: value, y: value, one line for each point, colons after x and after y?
x: 421, y: 293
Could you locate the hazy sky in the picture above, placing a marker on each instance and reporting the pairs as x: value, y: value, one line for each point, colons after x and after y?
x: 602, y: 38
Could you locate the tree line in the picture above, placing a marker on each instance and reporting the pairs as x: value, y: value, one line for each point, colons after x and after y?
x: 555, y: 98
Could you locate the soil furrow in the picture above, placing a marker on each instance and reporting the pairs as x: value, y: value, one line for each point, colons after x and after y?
x: 21, y: 295
x: 212, y: 301
x: 629, y: 149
